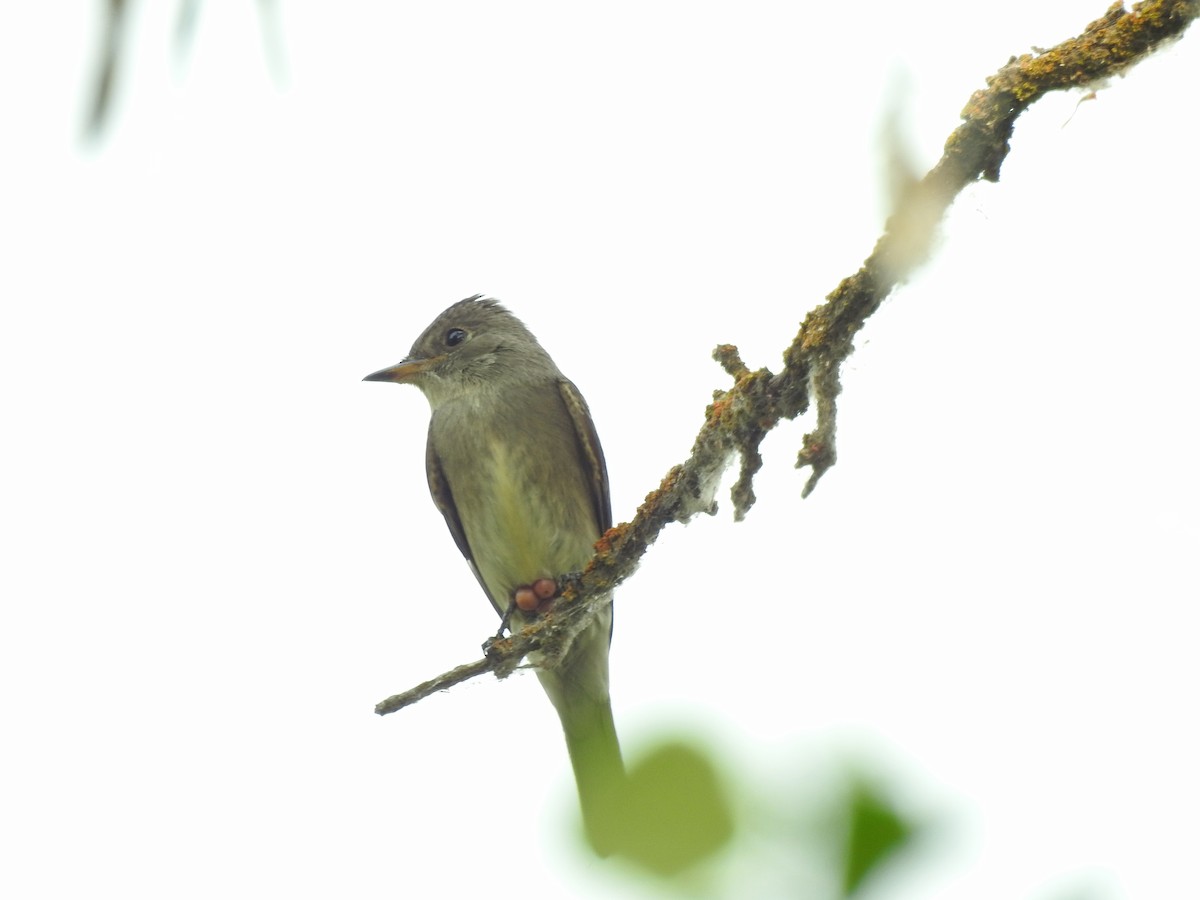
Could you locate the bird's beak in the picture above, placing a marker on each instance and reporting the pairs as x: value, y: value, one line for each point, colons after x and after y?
x: 404, y: 371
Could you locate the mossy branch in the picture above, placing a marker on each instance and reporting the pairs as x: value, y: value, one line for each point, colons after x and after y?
x: 741, y: 416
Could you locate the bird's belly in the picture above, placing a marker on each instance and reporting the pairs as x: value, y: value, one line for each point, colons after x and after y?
x: 517, y: 530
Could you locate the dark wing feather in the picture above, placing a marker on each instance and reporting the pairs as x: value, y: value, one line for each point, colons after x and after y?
x: 439, y: 489
x: 590, y: 453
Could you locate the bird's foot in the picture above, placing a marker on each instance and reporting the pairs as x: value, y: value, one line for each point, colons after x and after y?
x: 536, y: 597
x: 505, y: 621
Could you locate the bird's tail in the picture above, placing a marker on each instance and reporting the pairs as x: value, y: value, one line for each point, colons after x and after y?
x: 579, y: 691
x: 599, y: 771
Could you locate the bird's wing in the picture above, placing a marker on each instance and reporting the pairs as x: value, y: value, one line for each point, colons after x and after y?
x: 590, y: 453
x: 439, y: 489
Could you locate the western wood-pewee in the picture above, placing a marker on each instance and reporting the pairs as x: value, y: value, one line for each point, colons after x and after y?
x: 515, y: 467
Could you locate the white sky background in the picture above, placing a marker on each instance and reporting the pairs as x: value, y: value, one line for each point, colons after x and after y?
x: 220, y: 551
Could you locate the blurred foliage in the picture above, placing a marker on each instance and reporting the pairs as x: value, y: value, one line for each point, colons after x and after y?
x: 876, y: 833
x: 674, y: 812
x: 688, y: 822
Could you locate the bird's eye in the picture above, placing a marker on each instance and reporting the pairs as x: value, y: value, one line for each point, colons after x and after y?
x: 455, y: 336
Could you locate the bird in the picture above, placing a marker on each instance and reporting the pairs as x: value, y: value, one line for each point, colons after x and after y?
x: 515, y: 467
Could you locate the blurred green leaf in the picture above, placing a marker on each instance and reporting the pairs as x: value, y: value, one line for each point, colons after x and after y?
x: 876, y: 833
x: 673, y: 812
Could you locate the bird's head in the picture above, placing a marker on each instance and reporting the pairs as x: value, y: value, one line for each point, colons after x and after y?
x: 474, y: 345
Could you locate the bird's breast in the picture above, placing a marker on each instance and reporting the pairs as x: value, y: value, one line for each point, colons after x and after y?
x: 522, y: 498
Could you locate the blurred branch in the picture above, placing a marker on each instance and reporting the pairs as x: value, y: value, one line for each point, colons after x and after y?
x: 106, y: 73
x: 186, y: 20
x: 112, y: 52
x: 740, y: 417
